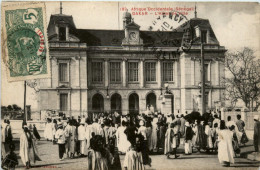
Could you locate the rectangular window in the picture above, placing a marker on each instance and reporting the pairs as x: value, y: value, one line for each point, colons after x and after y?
x: 150, y: 71
x: 62, y: 33
x: 63, y: 72
x: 97, y: 72
x: 63, y: 102
x: 115, y: 72
x: 167, y: 71
x: 133, y: 71
x: 204, y: 36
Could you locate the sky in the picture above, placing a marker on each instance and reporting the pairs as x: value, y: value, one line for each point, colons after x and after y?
x: 236, y: 25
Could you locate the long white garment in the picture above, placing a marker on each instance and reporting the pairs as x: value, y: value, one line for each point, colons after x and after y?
x: 133, y: 160
x: 122, y: 143
x: 209, y: 136
x: 89, y: 130
x: 82, y: 147
x: 96, y: 128
x: 225, y: 148
x: 81, y: 133
x: 188, y: 147
x: 154, y: 135
x: 48, y: 132
x: 24, y: 149
x: 28, y: 153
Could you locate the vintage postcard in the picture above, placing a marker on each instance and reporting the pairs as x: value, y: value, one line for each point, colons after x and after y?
x: 25, y: 50
x: 130, y: 85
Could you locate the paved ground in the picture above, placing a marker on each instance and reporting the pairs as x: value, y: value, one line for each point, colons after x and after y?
x: 49, y: 155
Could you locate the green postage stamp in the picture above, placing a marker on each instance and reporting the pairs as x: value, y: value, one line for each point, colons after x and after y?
x: 24, y: 41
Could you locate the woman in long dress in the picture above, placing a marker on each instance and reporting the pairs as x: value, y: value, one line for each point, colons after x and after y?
x: 208, y: 132
x: 122, y: 143
x: 168, y: 140
x: 154, y: 134
x: 48, y: 133
x: 225, y: 148
x: 149, y: 135
x: 195, y: 136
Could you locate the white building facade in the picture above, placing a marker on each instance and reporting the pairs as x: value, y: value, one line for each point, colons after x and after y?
x: 122, y: 70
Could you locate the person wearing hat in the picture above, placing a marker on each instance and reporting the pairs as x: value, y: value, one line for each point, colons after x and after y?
x: 187, y: 138
x: 82, y: 138
x: 256, y: 133
x: 60, y: 136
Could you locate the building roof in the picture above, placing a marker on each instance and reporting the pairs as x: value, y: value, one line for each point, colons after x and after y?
x: 60, y: 19
x: 194, y: 22
x: 98, y: 37
x: 115, y: 37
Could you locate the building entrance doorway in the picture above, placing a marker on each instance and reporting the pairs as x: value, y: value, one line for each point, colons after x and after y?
x: 133, y: 103
x: 116, y: 101
x: 97, y: 103
x: 151, y: 102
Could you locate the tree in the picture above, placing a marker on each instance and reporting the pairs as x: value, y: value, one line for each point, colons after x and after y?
x: 244, y: 80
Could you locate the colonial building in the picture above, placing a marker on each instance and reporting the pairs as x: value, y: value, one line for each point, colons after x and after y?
x: 129, y: 70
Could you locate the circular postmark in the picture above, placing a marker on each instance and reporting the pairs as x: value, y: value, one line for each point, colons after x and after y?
x: 173, y: 23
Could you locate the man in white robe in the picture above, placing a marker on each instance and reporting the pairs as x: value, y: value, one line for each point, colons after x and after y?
x: 82, y: 138
x: 28, y: 152
x: 225, y: 149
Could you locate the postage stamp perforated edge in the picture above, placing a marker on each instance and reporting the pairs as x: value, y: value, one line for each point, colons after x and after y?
x: 4, y: 53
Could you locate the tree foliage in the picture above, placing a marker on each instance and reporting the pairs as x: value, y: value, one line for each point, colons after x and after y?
x: 244, y: 82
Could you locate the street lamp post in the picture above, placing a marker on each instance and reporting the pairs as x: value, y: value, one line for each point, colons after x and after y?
x: 107, y: 93
x: 24, y: 106
x: 202, y: 80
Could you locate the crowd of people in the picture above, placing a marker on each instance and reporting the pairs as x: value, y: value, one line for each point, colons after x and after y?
x: 138, y: 136
x: 103, y: 137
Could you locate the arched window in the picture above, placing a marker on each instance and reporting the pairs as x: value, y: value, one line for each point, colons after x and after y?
x: 133, y: 103
x: 116, y: 103
x: 97, y: 103
x: 151, y: 100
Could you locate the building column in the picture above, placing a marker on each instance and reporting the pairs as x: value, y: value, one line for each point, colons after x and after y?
x: 217, y: 73
x: 159, y: 75
x: 77, y: 72
x: 183, y: 82
x: 141, y: 73
x: 124, y: 72
x: 193, y: 72
x: 209, y: 71
x: 175, y: 68
x: 69, y: 103
x: 106, y: 72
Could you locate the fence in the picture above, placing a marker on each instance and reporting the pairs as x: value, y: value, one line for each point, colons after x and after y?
x: 246, y: 116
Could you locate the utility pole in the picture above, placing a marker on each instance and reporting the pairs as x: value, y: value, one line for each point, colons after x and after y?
x: 24, y: 106
x: 202, y: 80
